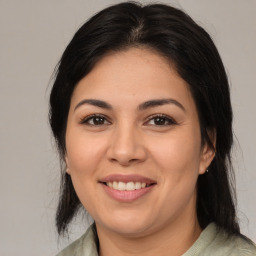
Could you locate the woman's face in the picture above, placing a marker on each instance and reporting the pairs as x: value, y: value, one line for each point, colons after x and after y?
x: 133, y: 144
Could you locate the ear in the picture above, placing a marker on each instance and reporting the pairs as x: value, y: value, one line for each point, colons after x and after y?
x: 67, y: 165
x: 208, y: 152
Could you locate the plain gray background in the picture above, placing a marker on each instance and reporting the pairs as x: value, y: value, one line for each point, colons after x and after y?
x: 33, y: 35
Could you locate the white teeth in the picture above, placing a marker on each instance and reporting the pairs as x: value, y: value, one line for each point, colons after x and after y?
x: 115, y: 185
x: 130, y: 186
x: 138, y: 185
x: 119, y: 185
x: 110, y: 184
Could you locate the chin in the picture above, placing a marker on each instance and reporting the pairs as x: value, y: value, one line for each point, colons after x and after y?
x: 130, y: 230
x: 127, y: 225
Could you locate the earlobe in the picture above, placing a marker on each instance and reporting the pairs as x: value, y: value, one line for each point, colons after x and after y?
x: 67, y: 165
x: 208, y: 152
x: 207, y: 156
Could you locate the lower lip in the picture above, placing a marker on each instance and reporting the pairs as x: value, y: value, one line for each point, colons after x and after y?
x: 126, y: 196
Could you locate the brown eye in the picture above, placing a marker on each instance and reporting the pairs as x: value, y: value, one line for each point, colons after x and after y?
x: 161, y: 120
x: 95, y: 120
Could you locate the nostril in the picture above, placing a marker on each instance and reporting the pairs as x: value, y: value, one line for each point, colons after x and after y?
x: 126, y: 149
x: 124, y: 161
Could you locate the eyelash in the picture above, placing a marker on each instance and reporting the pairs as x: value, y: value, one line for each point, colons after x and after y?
x: 87, y: 119
x: 170, y: 121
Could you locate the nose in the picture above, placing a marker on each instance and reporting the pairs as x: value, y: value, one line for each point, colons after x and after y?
x: 126, y: 146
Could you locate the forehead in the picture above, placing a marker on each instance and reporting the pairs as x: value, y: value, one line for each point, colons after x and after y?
x: 136, y: 74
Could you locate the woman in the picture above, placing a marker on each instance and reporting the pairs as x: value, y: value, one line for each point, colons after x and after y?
x: 140, y: 110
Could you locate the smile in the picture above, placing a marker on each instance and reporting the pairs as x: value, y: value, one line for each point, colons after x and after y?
x: 129, y: 186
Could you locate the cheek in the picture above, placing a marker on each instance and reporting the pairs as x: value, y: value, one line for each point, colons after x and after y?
x: 83, y: 154
x: 178, y: 159
x: 180, y: 152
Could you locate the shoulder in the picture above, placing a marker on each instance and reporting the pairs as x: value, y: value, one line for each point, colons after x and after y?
x: 215, y: 241
x: 244, y: 247
x: 231, y: 245
x: 84, y: 246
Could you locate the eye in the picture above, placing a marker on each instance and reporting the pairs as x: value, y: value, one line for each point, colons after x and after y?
x: 95, y: 120
x: 160, y: 120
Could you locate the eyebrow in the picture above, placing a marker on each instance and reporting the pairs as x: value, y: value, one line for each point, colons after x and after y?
x: 160, y: 102
x: 145, y: 105
x: 97, y: 103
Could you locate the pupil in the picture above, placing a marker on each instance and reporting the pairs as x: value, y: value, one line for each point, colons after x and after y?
x: 159, y: 121
x: 98, y: 120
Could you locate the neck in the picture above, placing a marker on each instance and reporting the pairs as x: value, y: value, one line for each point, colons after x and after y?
x: 175, y: 239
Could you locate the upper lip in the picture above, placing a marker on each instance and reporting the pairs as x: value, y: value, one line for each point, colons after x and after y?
x: 127, y: 178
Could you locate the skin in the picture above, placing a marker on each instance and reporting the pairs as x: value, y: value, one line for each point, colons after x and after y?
x: 131, y: 141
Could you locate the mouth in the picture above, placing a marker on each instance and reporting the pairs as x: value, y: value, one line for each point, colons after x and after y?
x: 127, y: 188
x: 127, y: 182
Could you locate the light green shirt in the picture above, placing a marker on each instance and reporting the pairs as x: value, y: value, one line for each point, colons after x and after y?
x: 211, y: 242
